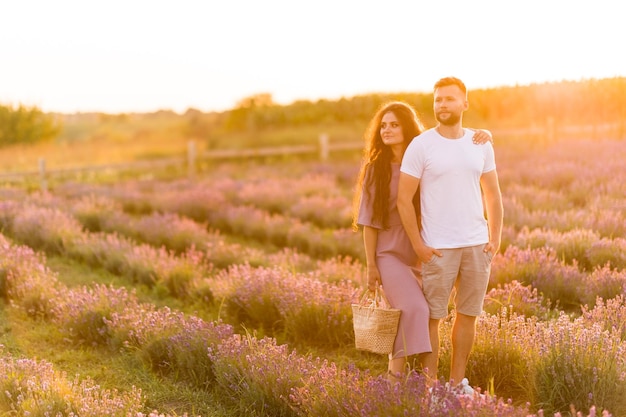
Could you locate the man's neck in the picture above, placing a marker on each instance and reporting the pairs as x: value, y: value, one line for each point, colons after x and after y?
x: 450, y: 132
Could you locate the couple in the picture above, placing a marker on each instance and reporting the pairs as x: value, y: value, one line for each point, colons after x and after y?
x: 420, y: 203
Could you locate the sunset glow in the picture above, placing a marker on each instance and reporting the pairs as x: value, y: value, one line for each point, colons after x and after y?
x: 117, y: 56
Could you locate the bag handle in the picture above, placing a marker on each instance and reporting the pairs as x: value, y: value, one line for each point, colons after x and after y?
x: 379, y: 298
x: 380, y: 294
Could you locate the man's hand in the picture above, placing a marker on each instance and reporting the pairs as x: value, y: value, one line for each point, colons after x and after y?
x: 493, y: 247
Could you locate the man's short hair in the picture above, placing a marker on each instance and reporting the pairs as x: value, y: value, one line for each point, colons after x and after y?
x: 447, y: 81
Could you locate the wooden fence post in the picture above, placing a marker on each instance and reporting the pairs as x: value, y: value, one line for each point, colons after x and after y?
x: 42, y: 175
x: 324, y: 146
x: 191, y: 159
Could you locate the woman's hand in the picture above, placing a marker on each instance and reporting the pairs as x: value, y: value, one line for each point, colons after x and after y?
x: 425, y: 253
x: 373, y: 278
x: 482, y: 136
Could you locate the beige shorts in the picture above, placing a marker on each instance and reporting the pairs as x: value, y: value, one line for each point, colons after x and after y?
x: 466, y: 269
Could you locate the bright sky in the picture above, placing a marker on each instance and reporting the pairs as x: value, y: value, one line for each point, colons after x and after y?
x: 145, y: 55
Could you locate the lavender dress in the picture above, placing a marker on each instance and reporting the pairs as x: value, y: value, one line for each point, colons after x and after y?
x: 396, y: 262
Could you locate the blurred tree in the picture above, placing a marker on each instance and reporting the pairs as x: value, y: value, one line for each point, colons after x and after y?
x: 248, y: 114
x: 26, y: 125
x: 257, y: 100
x: 590, y: 102
x: 199, y: 125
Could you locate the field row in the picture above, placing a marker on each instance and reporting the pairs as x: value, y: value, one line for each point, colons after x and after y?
x: 259, y: 373
x: 571, y: 268
x: 292, y: 305
x: 268, y: 251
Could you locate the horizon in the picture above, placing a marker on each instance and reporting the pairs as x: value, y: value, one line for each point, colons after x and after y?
x: 325, y: 98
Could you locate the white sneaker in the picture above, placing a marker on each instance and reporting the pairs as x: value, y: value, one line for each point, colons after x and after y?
x: 465, y: 388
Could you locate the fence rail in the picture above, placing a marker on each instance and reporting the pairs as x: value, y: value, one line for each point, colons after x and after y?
x: 323, y: 148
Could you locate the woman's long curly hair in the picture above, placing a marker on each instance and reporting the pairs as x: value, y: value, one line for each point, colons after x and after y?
x: 376, y: 163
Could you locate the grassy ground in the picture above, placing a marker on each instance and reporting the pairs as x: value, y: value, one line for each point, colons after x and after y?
x: 24, y: 337
x: 37, y: 339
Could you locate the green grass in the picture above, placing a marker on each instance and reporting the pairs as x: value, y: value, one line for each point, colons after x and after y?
x: 37, y: 339
x: 73, y: 273
x: 24, y: 337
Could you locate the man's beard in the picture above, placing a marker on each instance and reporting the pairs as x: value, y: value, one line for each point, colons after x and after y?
x: 452, y: 119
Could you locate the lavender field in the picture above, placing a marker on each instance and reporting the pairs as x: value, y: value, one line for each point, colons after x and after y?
x: 238, y: 284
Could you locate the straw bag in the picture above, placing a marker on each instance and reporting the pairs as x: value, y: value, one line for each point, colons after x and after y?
x: 375, y: 323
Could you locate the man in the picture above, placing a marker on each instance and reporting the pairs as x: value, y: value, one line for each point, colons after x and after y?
x: 454, y: 243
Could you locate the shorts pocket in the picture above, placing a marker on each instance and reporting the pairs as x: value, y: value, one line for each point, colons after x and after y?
x: 432, y: 259
x: 489, y: 257
x: 431, y: 268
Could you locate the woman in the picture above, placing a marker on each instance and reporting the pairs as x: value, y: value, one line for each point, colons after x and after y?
x: 390, y: 258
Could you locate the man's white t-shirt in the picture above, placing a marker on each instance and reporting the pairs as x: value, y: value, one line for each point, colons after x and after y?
x: 451, y: 201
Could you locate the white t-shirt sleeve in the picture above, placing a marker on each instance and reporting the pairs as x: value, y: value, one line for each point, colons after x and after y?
x: 413, y: 159
x: 490, y: 157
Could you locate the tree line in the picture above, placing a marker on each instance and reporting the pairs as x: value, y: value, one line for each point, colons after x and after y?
x: 567, y: 102
x: 585, y: 102
x: 22, y: 124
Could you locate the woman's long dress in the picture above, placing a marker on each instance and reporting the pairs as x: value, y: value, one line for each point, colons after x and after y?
x: 397, y: 263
